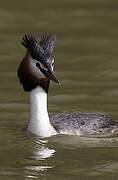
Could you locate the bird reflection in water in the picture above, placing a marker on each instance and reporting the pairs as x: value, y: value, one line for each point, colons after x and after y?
x: 40, y: 164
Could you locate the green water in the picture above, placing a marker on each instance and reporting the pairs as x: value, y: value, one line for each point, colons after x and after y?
x: 86, y: 57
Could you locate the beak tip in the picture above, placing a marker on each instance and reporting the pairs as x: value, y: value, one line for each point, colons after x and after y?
x: 56, y: 81
x: 59, y: 83
x: 54, y: 78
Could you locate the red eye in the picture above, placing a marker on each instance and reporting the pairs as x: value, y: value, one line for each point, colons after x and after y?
x: 53, y: 62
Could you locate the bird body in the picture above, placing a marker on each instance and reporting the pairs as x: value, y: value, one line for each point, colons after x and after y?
x: 84, y: 124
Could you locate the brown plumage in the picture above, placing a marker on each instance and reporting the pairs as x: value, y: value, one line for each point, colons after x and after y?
x: 28, y: 78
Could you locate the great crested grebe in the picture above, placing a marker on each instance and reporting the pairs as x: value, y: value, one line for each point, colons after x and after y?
x: 34, y: 73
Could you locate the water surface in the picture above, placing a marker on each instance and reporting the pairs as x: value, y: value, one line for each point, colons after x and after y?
x: 86, y: 56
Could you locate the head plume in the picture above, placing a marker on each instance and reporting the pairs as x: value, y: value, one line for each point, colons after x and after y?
x: 41, y: 50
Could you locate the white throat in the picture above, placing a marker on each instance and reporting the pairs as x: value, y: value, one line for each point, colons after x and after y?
x: 39, y: 123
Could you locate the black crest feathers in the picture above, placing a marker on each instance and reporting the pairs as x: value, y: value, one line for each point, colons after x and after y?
x: 39, y: 49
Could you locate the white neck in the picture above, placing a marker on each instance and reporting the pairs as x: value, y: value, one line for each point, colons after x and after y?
x: 39, y: 123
